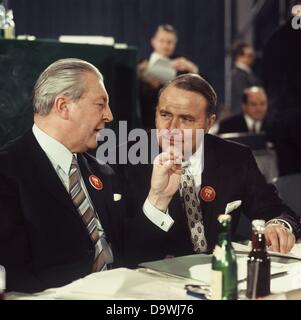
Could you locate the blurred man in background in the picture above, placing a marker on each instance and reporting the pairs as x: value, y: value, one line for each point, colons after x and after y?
x: 152, y: 78
x: 251, y: 119
x: 242, y: 74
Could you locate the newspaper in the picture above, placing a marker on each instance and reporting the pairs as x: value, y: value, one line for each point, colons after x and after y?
x: 161, y: 69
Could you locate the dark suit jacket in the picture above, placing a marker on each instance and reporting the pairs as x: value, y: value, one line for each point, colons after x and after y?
x: 236, y: 123
x: 43, y: 240
x: 232, y: 171
x: 241, y: 80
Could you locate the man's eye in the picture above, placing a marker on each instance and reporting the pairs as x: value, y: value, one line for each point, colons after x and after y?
x: 188, y: 119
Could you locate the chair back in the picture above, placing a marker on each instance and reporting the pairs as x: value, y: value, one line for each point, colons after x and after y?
x: 289, y: 188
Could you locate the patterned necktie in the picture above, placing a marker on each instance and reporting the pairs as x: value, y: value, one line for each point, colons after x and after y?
x: 102, y: 256
x: 193, y: 211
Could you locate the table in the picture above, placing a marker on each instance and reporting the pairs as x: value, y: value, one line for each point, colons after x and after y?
x: 267, y: 163
x: 160, y: 280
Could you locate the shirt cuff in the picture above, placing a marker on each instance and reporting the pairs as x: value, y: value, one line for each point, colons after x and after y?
x: 162, y: 220
x: 280, y: 221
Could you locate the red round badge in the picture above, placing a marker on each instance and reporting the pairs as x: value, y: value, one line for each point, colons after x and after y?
x: 96, y: 182
x: 207, y: 194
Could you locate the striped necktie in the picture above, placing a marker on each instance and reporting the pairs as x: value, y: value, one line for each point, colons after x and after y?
x: 87, y: 213
x: 193, y: 211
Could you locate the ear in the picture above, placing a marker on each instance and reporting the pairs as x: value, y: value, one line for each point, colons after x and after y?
x: 60, y: 106
x: 152, y: 41
x: 210, y: 122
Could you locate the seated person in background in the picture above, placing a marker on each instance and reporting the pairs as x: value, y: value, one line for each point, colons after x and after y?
x: 58, y: 218
x: 173, y: 208
x: 242, y: 76
x: 254, y: 107
x: 164, y: 44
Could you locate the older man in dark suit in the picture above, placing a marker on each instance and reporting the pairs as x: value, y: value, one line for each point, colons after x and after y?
x: 59, y: 218
x: 181, y: 201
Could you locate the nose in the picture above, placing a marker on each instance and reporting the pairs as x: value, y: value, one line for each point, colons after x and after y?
x: 173, y: 124
x: 108, y: 116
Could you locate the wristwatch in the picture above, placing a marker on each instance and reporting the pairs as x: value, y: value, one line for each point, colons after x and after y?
x: 279, y: 222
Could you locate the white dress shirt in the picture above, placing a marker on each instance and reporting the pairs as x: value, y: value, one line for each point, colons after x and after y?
x: 163, y: 220
x: 59, y: 156
x: 250, y: 123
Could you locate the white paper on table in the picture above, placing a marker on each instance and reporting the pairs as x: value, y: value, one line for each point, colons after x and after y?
x: 203, y: 272
x: 122, y: 283
x: 295, y: 252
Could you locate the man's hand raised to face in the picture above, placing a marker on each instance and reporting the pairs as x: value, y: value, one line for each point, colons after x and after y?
x: 165, y: 179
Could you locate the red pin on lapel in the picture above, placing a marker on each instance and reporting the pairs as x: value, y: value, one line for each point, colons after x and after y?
x: 96, y: 182
x: 207, y: 194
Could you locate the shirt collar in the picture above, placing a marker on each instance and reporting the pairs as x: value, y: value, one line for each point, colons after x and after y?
x: 57, y: 153
x: 196, y: 161
x: 250, y: 122
x: 195, y: 165
x: 243, y: 67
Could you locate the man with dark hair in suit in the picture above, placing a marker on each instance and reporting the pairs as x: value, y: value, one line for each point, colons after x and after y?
x: 254, y: 107
x: 174, y: 202
x: 242, y: 76
x: 58, y: 218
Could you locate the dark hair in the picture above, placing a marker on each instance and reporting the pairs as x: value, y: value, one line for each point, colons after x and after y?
x: 238, y: 49
x: 167, y: 28
x: 195, y: 83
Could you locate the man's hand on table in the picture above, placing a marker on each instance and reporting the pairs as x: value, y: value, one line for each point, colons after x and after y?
x: 279, y: 238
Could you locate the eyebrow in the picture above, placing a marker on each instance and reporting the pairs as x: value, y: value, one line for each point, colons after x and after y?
x: 189, y: 116
x: 104, y: 98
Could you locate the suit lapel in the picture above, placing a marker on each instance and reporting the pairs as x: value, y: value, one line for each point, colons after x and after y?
x: 264, y: 125
x: 243, y: 124
x: 210, y: 178
x: 46, y: 174
x: 98, y: 197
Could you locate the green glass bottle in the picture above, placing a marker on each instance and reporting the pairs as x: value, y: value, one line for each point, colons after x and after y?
x: 224, y: 265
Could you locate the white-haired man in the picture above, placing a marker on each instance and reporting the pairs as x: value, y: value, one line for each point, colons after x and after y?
x: 59, y: 221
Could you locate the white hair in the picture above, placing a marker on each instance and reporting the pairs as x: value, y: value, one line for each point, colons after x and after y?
x: 63, y: 77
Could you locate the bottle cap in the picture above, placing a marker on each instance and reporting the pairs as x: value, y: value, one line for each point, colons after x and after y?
x: 2, y: 279
x: 258, y: 225
x: 224, y: 218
